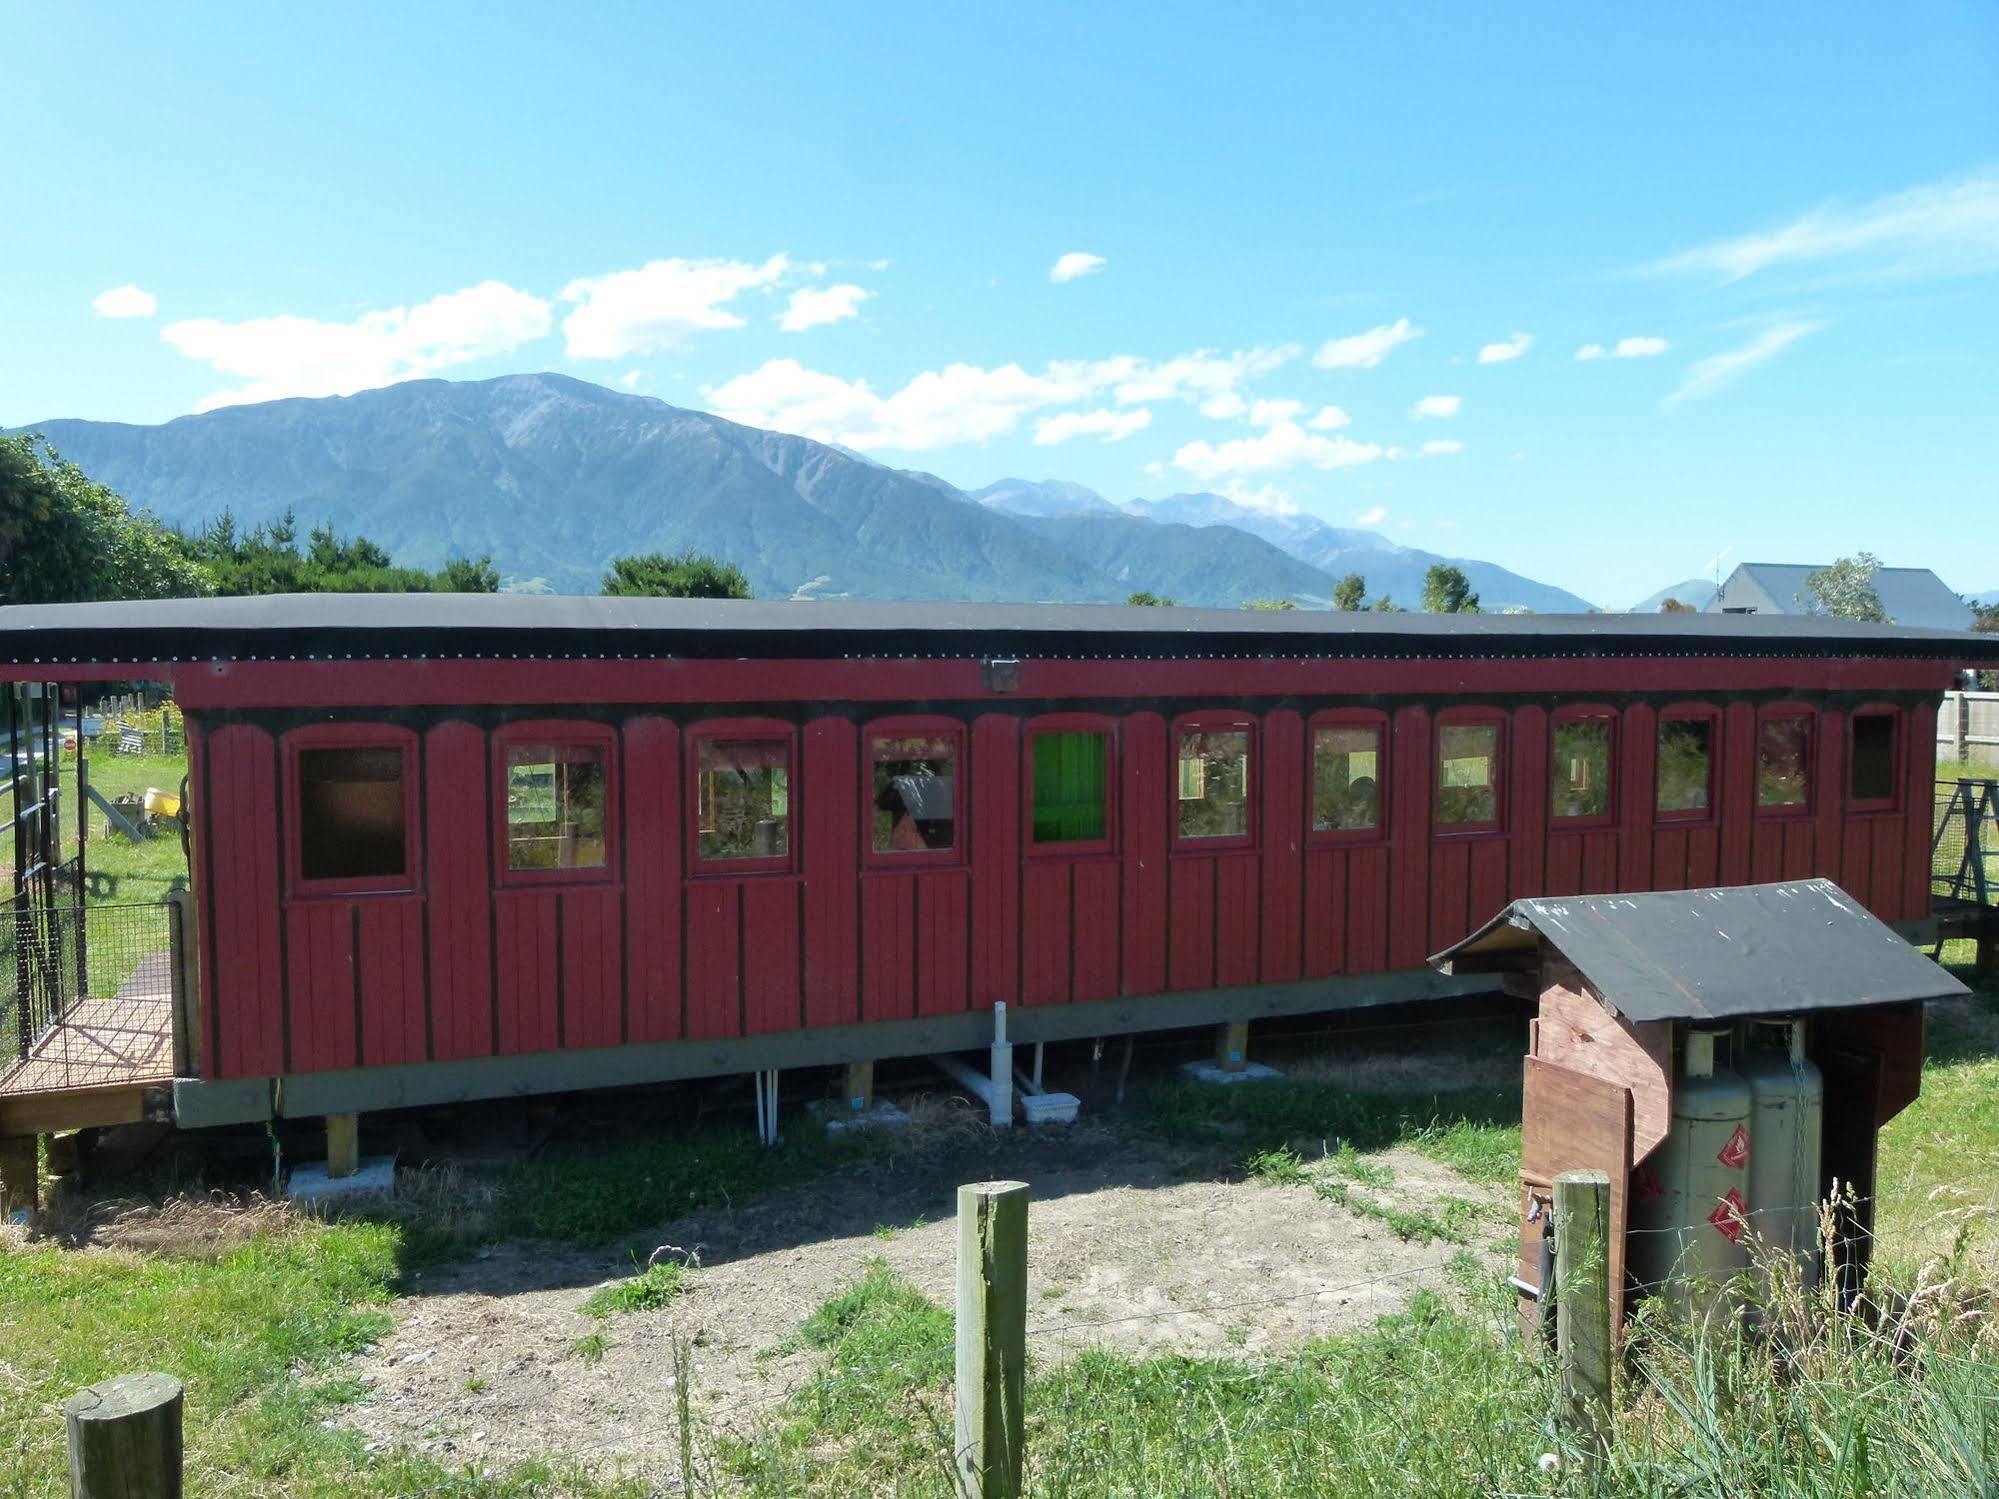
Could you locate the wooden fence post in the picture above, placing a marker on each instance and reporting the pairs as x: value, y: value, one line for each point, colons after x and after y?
x: 125, y: 1439
x: 992, y: 1338
x: 1582, y: 1301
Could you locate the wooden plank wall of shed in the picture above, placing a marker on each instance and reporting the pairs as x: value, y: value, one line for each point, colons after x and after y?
x: 461, y: 969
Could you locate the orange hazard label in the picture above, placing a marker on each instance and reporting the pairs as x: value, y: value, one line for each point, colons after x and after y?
x: 1736, y: 1151
x: 1731, y: 1217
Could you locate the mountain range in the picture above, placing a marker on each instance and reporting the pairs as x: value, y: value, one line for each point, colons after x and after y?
x: 553, y: 476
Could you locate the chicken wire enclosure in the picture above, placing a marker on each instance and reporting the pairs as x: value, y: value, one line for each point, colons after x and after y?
x: 89, y: 997
x: 1964, y: 851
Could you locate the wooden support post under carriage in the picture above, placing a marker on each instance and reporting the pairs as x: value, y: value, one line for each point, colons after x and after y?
x: 1232, y: 1046
x: 20, y: 1174
x: 343, y: 1145
x: 860, y: 1094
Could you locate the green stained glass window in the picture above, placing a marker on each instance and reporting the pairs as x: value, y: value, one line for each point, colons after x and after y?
x: 1070, y: 769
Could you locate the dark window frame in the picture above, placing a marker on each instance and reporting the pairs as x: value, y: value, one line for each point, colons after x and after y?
x: 1788, y: 811
x: 1609, y: 716
x: 1897, y: 762
x: 1690, y: 713
x: 1217, y: 721
x: 928, y: 726
x: 1349, y: 718
x: 358, y: 736
x: 765, y: 730
x: 557, y: 734
x: 1470, y: 718
x: 1071, y: 723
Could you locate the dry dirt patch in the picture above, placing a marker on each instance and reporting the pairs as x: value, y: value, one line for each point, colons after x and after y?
x: 1133, y: 1246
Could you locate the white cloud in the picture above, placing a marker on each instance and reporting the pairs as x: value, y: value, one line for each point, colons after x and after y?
x: 297, y: 356
x: 1363, y: 351
x: 1270, y: 413
x: 1436, y: 406
x: 1330, y: 419
x: 1205, y: 378
x: 1625, y: 348
x: 1706, y: 376
x: 1512, y: 349
x: 1374, y: 515
x: 1286, y: 445
x: 815, y: 306
x: 1442, y: 447
x: 630, y: 379
x: 1942, y: 229
x: 1106, y: 422
x: 126, y: 301
x: 659, y: 304
x: 1075, y: 265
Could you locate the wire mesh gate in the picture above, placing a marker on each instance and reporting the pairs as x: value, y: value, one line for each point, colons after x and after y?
x: 1964, y: 852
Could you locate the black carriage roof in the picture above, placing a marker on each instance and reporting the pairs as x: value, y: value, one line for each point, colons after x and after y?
x: 378, y: 626
x: 1715, y: 954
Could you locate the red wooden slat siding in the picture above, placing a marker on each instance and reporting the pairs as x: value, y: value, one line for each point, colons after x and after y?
x: 458, y: 884
x: 1045, y: 955
x: 1286, y: 766
x: 524, y: 925
x: 1919, y: 746
x: 1638, y: 763
x: 393, y: 1021
x: 1409, y: 857
x: 770, y: 956
x: 1236, y: 918
x: 1367, y: 909
x: 204, y: 861
x: 944, y: 918
x: 1190, y: 923
x: 249, y: 983
x: 714, y: 959
x: 652, y: 879
x: 319, y: 951
x: 592, y: 967
x: 1527, y: 805
x: 1147, y: 768
x: 830, y: 830
x: 1096, y: 928
x: 1829, y: 844
x: 1450, y: 907
x: 1327, y: 922
x: 1737, y: 783
x: 888, y: 946
x: 994, y: 763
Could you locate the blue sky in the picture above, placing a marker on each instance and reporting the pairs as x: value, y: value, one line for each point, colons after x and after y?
x: 1307, y: 238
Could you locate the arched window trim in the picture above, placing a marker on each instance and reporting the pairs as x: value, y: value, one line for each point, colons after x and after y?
x: 558, y: 734
x: 1219, y: 721
x: 930, y: 725
x: 337, y: 736
x: 1071, y: 723
x: 1613, y: 769
x: 1384, y: 777
x: 1468, y: 717
x: 772, y: 730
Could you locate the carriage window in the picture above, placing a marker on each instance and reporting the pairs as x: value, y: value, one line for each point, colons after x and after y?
x: 1783, y: 762
x: 1070, y: 775
x: 1873, y: 775
x: 1214, y: 783
x: 1346, y: 778
x: 1468, y: 775
x: 1580, y: 785
x: 556, y: 806
x: 743, y: 799
x: 1686, y: 766
x: 352, y: 814
x: 915, y: 792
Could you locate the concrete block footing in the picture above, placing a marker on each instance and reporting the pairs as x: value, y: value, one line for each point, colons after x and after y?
x: 1049, y: 1108
x: 1215, y: 1073
x: 310, y: 1183
x: 880, y: 1114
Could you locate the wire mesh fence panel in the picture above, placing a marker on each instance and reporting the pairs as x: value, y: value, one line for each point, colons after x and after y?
x: 1964, y: 848
x: 86, y: 996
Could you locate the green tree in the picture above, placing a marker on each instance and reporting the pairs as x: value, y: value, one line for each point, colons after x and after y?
x: 64, y: 538
x: 268, y: 559
x: 469, y: 575
x: 1446, y: 590
x: 1674, y: 606
x: 1845, y: 590
x: 685, y: 575
x: 1268, y: 606
x: 1146, y: 598
x: 1387, y: 605
x: 1350, y: 593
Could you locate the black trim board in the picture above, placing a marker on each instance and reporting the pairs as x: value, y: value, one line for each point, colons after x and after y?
x: 416, y: 1084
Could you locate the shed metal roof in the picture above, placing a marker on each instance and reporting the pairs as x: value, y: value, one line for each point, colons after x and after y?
x: 1910, y: 595
x: 561, y: 626
x: 1714, y: 954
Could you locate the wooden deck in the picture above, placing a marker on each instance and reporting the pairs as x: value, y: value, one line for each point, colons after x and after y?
x: 125, y: 1040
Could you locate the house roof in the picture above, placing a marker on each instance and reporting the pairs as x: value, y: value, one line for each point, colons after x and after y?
x: 1911, y: 595
x: 559, y: 626
x: 1716, y: 954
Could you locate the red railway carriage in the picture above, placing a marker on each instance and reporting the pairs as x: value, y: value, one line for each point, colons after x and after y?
x: 460, y: 846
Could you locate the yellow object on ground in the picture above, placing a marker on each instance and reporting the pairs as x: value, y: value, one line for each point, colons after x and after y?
x: 161, y: 803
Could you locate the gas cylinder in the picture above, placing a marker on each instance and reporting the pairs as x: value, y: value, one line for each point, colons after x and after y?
x: 1787, y: 1109
x: 1690, y: 1197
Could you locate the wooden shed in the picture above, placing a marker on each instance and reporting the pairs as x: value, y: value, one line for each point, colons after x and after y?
x: 1627, y: 985
x: 450, y: 847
